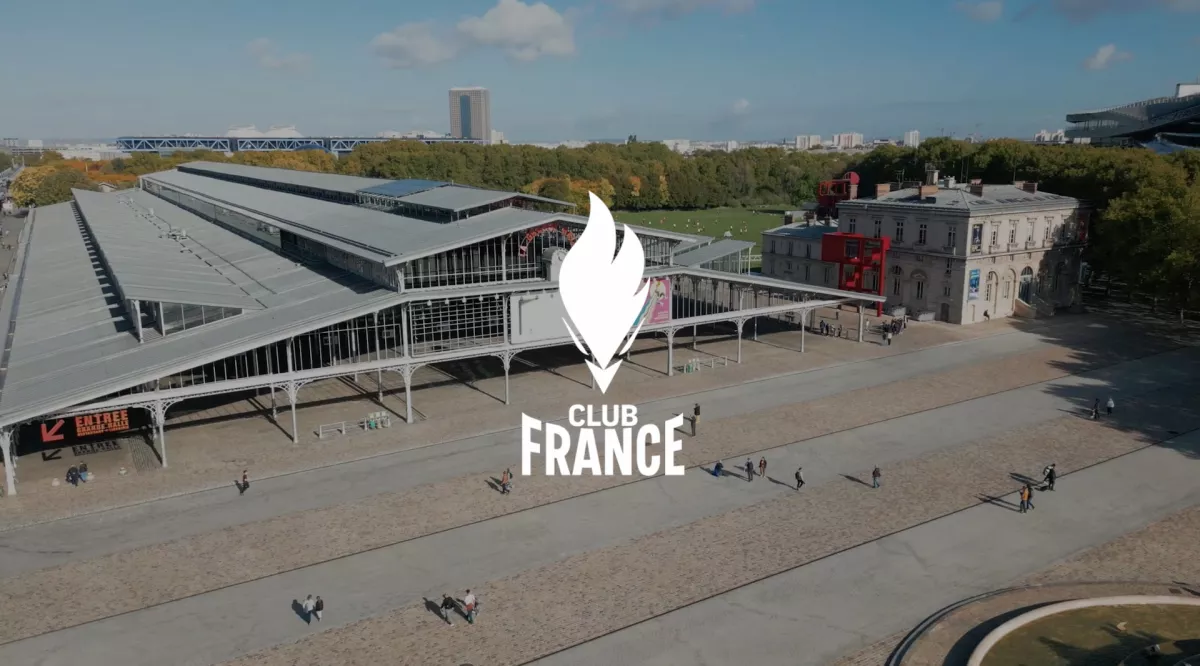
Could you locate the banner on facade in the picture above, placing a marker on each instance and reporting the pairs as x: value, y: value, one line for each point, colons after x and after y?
x: 658, y: 303
x: 973, y: 284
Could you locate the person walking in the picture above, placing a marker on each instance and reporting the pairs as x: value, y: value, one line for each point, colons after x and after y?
x: 762, y: 466
x: 245, y: 484
x: 718, y: 469
x: 887, y: 337
x: 749, y: 470
x: 448, y: 604
x: 1028, y: 496
x: 469, y: 606
x: 505, y: 482
x: 308, y: 607
x: 987, y: 316
x: 318, y: 608
x: 1049, y: 476
x: 799, y: 478
x: 1108, y: 406
x: 1024, y: 494
x: 695, y: 418
x: 875, y: 474
x: 1096, y: 409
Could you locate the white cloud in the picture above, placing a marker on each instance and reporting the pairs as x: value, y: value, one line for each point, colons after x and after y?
x: 741, y: 107
x: 1105, y: 56
x: 265, y: 53
x: 984, y: 12
x: 414, y: 45
x: 525, y: 32
x: 680, y: 7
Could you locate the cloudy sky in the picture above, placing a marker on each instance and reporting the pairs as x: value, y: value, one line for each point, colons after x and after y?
x: 581, y: 69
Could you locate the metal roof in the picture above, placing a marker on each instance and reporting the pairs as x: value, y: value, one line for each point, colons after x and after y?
x: 72, y: 342
x: 456, y: 198
x: 371, y: 234
x: 310, y: 179
x: 401, y: 188
x: 146, y: 263
x: 712, y: 252
x: 995, y: 199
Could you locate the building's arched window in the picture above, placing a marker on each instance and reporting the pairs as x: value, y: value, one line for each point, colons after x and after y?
x: 1025, y: 292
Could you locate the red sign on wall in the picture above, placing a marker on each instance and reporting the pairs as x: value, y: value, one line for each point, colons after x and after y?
x: 553, y: 227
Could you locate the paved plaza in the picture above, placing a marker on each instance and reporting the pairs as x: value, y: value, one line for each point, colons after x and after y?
x: 669, y: 570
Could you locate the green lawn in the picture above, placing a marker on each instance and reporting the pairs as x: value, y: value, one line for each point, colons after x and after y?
x: 743, y: 223
x: 1101, y: 636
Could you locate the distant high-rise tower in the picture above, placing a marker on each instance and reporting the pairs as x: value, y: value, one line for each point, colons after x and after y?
x: 471, y: 113
x: 912, y: 138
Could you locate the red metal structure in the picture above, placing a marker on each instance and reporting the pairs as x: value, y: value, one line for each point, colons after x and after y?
x: 830, y: 192
x: 856, y: 255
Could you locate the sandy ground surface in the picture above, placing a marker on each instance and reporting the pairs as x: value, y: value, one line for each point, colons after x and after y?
x: 151, y: 575
x: 549, y: 608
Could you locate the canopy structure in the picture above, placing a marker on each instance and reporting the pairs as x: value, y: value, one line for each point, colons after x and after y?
x: 195, y: 286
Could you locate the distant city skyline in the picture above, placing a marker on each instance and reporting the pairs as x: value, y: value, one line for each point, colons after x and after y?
x: 587, y: 69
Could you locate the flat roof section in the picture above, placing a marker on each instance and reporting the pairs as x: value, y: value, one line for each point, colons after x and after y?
x: 310, y: 179
x: 995, y: 199
x: 711, y: 252
x: 457, y: 198
x: 401, y: 188
x: 147, y: 264
x: 802, y: 232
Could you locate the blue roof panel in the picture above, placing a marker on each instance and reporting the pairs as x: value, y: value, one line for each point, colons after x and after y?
x: 403, y: 188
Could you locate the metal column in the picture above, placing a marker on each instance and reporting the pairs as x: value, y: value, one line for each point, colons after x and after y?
x: 291, y: 392
x: 670, y: 352
x: 506, y: 359
x: 158, y: 415
x: 693, y: 337
x: 861, y: 321
x: 740, y: 323
x: 10, y: 467
x: 803, y: 325
x: 407, y: 373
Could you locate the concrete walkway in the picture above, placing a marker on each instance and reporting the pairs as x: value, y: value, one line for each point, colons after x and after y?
x: 56, y: 542
x: 226, y: 623
x: 814, y: 614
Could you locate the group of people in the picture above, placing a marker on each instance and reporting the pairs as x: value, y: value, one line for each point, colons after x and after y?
x: 892, y: 328
x: 825, y: 328
x: 469, y: 608
x: 313, y: 608
x: 718, y: 470
x: 1049, y: 476
x: 77, y: 474
x: 1108, y: 408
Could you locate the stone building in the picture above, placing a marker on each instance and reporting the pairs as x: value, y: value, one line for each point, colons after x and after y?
x: 959, y: 253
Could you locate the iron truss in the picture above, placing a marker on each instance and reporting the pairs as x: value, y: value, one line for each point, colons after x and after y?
x: 156, y: 144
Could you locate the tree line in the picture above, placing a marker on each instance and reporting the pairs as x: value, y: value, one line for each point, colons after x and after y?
x: 1146, y: 232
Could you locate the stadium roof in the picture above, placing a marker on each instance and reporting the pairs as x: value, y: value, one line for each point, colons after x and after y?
x: 310, y: 179
x: 711, y: 252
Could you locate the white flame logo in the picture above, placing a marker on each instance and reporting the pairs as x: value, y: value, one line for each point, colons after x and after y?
x: 602, y: 295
